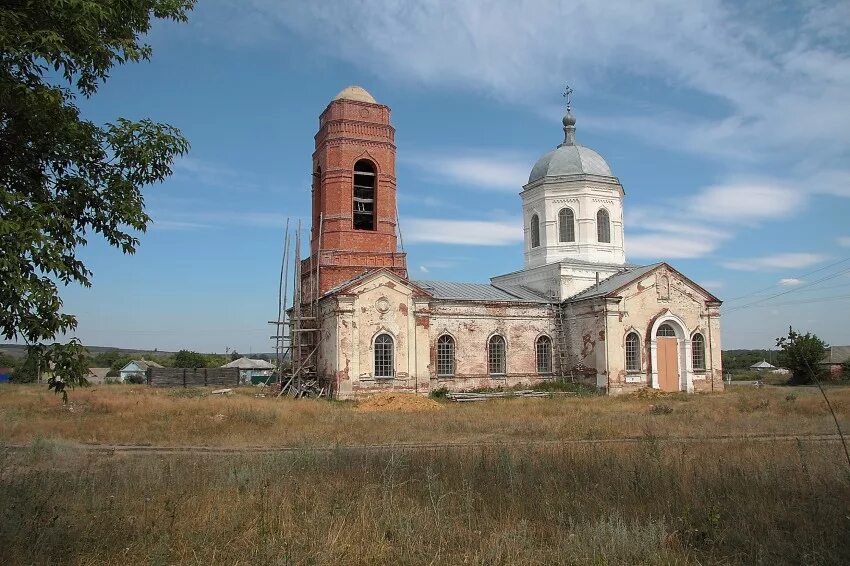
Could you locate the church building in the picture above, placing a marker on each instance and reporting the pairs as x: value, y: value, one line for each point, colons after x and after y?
x: 576, y: 310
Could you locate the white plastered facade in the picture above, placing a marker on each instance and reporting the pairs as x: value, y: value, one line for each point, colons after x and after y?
x: 591, y: 328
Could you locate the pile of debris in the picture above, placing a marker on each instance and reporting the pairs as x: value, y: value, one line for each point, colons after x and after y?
x: 299, y: 388
x: 471, y: 397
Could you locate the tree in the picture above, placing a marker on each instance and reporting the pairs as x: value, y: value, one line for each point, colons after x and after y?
x: 189, y: 359
x: 802, y: 354
x: 63, y: 178
x: 7, y: 361
x: 234, y: 355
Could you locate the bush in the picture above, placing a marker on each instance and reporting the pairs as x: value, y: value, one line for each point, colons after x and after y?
x: 439, y: 393
x: 660, y: 409
x: 135, y: 379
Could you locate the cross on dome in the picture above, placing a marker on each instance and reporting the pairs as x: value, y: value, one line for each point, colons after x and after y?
x: 569, y: 120
x: 568, y: 94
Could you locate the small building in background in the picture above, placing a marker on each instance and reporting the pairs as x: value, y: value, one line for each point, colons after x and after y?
x: 834, y: 360
x: 763, y: 366
x: 97, y: 376
x: 252, y: 371
x: 136, y: 369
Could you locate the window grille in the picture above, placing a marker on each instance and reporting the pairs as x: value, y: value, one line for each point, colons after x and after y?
x: 364, y: 195
x: 544, y: 355
x: 384, y: 366
x: 566, y: 225
x: 665, y: 330
x: 496, y: 355
x: 535, y: 231
x: 698, y: 352
x: 445, y: 355
x: 603, y: 226
x: 632, y: 352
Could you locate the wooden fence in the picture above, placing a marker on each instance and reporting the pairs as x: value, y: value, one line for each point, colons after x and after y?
x: 188, y: 377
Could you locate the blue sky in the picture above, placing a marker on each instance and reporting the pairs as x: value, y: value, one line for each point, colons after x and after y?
x: 727, y: 124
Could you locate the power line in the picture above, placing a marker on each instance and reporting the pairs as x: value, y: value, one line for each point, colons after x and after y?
x: 839, y: 262
x: 795, y: 289
x: 804, y: 301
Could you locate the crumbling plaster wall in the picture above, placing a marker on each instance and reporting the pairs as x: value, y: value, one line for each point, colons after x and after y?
x: 661, y: 294
x: 378, y: 305
x: 472, y: 324
x: 585, y: 335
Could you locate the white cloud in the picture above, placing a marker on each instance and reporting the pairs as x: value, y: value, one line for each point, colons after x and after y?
x: 173, y: 220
x: 476, y: 168
x: 712, y: 284
x: 833, y: 182
x: 707, y: 220
x: 750, y: 202
x: 790, y: 282
x: 206, y: 175
x: 844, y: 241
x: 423, y: 269
x: 659, y: 246
x: 463, y: 232
x: 773, y: 80
x: 777, y: 261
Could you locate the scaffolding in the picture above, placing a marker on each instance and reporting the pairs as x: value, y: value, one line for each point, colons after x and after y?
x: 298, y: 335
x: 563, y: 320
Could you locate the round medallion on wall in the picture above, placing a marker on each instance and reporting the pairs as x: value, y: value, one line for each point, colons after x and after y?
x: 382, y: 304
x: 364, y: 112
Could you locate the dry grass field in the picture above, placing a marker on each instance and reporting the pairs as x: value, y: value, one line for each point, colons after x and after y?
x: 118, y: 414
x: 495, y: 501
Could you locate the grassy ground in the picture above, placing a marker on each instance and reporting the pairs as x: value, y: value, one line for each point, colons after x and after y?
x: 495, y: 502
x: 607, y: 504
x: 120, y: 414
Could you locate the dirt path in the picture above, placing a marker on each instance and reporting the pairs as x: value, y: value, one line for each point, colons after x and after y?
x: 107, y: 449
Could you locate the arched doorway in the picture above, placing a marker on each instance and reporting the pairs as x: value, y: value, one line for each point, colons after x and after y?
x: 668, y: 358
x: 670, y: 351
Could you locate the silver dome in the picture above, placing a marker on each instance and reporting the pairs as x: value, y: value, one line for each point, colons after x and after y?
x: 572, y: 159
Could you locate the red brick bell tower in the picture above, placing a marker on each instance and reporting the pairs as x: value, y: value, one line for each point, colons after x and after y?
x: 354, y: 218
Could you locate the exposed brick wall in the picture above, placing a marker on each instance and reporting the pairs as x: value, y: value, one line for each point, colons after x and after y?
x: 349, y: 131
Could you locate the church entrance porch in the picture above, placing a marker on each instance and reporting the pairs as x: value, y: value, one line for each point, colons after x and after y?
x: 670, y: 351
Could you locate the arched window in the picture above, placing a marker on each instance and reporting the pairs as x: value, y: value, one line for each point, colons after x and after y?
x: 603, y: 226
x: 698, y: 352
x: 544, y: 355
x: 665, y: 330
x: 496, y: 355
x: 384, y: 363
x: 566, y: 225
x: 535, y: 231
x: 364, y: 195
x: 632, y: 352
x: 445, y: 355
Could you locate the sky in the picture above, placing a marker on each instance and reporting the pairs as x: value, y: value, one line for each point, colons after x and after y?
x: 726, y: 123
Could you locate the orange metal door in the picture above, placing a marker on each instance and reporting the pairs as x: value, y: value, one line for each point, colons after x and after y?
x: 668, y: 364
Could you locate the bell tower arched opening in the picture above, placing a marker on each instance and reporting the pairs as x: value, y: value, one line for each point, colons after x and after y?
x: 354, y: 194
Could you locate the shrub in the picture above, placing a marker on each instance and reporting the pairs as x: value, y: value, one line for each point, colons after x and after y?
x: 660, y: 409
x: 439, y: 393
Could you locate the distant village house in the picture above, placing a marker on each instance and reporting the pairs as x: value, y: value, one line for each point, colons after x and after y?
x: 834, y: 360
x: 252, y: 371
x: 97, y: 376
x: 136, y: 369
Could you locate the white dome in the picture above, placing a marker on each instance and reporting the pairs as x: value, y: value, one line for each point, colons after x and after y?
x: 355, y: 92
